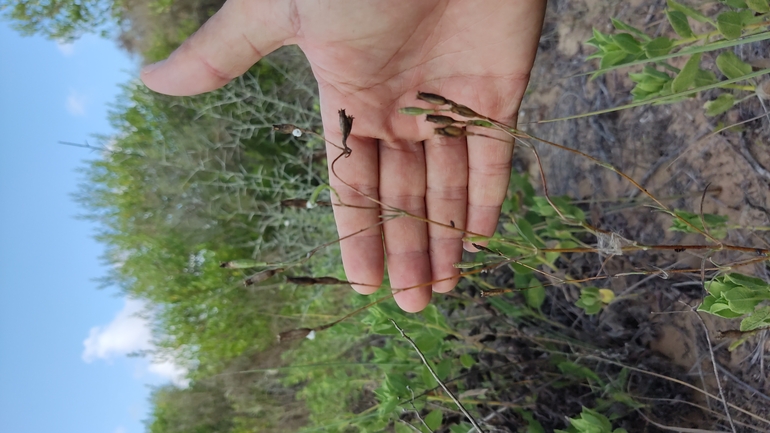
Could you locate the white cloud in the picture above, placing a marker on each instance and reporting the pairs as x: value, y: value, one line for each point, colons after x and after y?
x: 76, y: 103
x: 129, y: 332
x: 125, y: 334
x: 66, y: 48
x: 119, y: 429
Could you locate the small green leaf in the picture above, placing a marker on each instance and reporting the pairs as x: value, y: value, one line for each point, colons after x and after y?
x: 628, y: 43
x: 730, y: 24
x: 619, y: 25
x: 680, y: 24
x: 758, y: 319
x: 578, y: 371
x: 721, y: 309
x: 737, y: 4
x: 722, y: 103
x: 612, y: 58
x: 467, y: 360
x: 690, y: 12
x: 686, y: 77
x: 535, y: 295
x: 443, y: 368
x: 433, y: 419
x: 463, y: 427
x: 658, y: 47
x: 732, y: 66
x: 705, y: 78
x: 761, y: 6
x: 433, y: 316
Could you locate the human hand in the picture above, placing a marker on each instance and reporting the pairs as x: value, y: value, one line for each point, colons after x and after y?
x: 370, y: 58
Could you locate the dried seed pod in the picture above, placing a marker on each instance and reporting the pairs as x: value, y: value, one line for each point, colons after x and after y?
x: 261, y: 276
x: 310, y: 281
x: 294, y: 334
x: 450, y: 131
x: 298, y: 203
x: 241, y: 264
x: 464, y: 111
x: 415, y: 111
x: 439, y: 119
x: 346, y: 125
x: 286, y: 128
x: 432, y: 98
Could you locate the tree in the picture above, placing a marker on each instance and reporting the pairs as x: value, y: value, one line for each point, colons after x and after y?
x: 61, y: 19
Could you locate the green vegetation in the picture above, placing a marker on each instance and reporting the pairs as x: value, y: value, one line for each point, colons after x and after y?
x: 660, y: 82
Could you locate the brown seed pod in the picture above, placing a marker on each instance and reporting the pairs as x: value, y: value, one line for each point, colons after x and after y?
x: 298, y: 203
x: 450, y: 131
x: 439, y: 119
x: 261, y: 276
x: 432, y: 98
x: 294, y: 334
x: 286, y: 128
x: 464, y: 111
x: 310, y: 281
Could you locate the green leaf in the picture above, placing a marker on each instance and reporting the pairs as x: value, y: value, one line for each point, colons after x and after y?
x: 680, y: 24
x: 690, y: 12
x: 730, y: 24
x: 467, y: 360
x: 433, y: 420
x: 742, y: 300
x: 433, y: 316
x: 761, y: 6
x: 737, y: 4
x: 463, y: 427
x: 579, y: 371
x: 613, y: 58
x: 658, y: 47
x: 628, y: 43
x: 535, y: 296
x: 758, y: 319
x: 753, y: 283
x: 722, y: 103
x: 686, y: 77
x: 526, y: 231
x: 443, y: 368
x: 427, y: 379
x: 705, y: 78
x: 718, y: 286
x: 619, y: 25
x: 716, y: 223
x: 732, y: 66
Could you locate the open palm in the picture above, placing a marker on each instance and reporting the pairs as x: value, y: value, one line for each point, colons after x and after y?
x: 370, y: 58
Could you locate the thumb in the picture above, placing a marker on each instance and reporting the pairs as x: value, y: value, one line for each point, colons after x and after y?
x: 230, y: 42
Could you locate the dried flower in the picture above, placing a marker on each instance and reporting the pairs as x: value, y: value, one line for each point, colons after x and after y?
x: 346, y: 125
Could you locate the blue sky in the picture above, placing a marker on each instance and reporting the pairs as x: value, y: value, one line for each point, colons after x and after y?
x: 62, y: 342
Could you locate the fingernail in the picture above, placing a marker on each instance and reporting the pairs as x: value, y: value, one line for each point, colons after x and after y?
x: 153, y: 66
